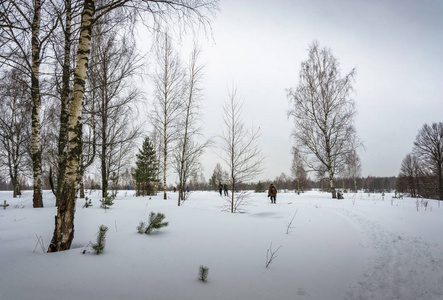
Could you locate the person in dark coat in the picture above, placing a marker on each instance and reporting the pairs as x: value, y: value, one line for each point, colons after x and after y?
x: 272, y: 192
x: 220, y: 188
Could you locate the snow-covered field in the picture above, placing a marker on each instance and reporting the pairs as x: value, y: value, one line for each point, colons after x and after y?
x: 363, y: 247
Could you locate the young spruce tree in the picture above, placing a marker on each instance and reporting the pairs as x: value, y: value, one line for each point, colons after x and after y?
x: 145, y: 173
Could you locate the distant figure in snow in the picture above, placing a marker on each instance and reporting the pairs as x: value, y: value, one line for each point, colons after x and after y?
x: 187, y: 189
x: 272, y: 192
x: 226, y: 190
x: 220, y: 188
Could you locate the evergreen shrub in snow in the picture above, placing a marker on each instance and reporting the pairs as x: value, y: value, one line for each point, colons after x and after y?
x: 203, y: 273
x: 107, y: 202
x: 155, y: 223
x: 88, y: 202
x: 4, y: 204
x: 101, y: 240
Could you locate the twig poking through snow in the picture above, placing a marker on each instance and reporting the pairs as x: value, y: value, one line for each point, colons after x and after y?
x: 39, y: 242
x: 288, y: 224
x: 270, y: 255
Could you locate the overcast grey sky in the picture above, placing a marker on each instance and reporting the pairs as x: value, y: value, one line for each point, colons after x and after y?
x: 395, y: 46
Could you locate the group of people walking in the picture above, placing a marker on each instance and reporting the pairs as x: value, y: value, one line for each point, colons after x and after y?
x: 224, y: 188
x: 272, y: 191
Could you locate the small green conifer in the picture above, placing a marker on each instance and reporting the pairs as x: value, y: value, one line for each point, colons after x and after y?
x: 155, y: 223
x: 5, y: 204
x: 88, y: 203
x: 101, y: 240
x: 107, y: 202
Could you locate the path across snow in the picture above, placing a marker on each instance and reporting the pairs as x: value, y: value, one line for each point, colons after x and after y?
x: 403, y: 267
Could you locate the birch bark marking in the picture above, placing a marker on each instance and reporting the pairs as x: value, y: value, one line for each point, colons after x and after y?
x: 64, y: 221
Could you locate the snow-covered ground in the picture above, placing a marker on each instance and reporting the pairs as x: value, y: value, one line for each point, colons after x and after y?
x: 362, y: 247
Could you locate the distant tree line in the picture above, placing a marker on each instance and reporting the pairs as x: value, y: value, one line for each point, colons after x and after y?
x: 369, y: 184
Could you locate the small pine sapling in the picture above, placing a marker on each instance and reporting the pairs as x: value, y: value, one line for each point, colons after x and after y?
x: 203, y: 273
x: 101, y: 240
x: 107, y: 202
x: 88, y: 202
x: 4, y: 204
x: 155, y: 223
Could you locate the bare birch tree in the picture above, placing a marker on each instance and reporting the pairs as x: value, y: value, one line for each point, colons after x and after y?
x: 241, y: 150
x: 168, y: 102
x: 323, y: 112
x: 189, y: 150
x: 64, y: 221
x: 24, y: 33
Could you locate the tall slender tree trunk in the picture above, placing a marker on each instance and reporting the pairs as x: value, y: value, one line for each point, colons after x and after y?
x: 164, y: 167
x: 103, y: 162
x: 182, y: 160
x: 331, y: 184
x: 36, y: 153
x: 81, y: 185
x: 64, y: 113
x: 14, y: 181
x: 64, y: 221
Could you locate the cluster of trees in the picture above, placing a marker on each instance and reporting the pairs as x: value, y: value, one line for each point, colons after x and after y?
x: 421, y: 172
x: 68, y: 98
x: 175, y: 116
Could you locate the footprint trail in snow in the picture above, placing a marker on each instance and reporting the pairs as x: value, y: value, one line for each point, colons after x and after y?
x: 402, y: 268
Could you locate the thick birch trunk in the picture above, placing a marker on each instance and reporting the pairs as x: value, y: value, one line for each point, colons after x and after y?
x: 64, y: 221
x: 36, y: 153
